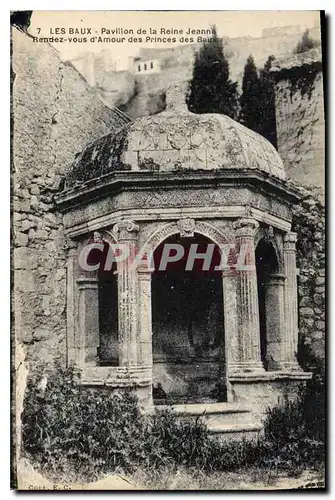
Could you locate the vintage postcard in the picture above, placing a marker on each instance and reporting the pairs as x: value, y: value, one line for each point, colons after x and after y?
x: 168, y: 250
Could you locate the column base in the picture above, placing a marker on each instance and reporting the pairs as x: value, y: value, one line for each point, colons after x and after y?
x: 284, y: 366
x: 246, y: 368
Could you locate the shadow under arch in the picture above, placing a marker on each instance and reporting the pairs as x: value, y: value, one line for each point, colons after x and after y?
x: 268, y: 267
x: 106, y: 278
x: 188, y: 324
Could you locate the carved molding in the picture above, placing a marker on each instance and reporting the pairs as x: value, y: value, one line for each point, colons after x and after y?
x: 167, y: 230
x: 208, y: 210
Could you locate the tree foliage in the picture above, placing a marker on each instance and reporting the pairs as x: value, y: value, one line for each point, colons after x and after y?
x: 306, y: 43
x: 211, y: 90
x: 268, y: 104
x: 258, y: 100
x: 251, y: 97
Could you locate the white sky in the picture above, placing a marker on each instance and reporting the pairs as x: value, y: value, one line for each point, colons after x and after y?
x: 229, y: 23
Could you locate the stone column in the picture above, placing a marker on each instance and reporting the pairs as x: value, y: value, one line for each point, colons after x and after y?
x: 127, y: 232
x: 88, y: 320
x: 247, y: 299
x: 145, y: 317
x: 276, y: 342
x: 291, y: 300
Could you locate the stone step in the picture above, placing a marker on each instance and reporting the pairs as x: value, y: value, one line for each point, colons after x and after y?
x: 230, y: 432
x: 215, y: 414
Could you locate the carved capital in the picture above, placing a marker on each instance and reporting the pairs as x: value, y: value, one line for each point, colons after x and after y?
x: 126, y: 230
x: 186, y: 227
x: 245, y: 227
x: 290, y: 240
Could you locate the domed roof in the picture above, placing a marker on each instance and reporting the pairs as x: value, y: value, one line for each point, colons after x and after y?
x: 177, y: 140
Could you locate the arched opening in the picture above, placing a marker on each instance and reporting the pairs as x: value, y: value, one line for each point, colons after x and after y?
x: 187, y: 322
x: 108, y: 350
x: 108, y: 318
x: 267, y: 267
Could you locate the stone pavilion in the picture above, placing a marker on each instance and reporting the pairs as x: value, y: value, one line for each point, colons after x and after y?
x: 222, y: 340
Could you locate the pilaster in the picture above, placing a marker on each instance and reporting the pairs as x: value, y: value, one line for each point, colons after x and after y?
x: 291, y: 300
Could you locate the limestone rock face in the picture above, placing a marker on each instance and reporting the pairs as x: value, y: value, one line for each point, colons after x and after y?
x: 300, y: 117
x: 177, y: 140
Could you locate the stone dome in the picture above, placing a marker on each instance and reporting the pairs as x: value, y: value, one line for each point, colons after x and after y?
x: 177, y: 140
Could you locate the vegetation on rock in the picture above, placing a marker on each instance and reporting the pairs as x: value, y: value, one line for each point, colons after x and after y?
x: 306, y: 43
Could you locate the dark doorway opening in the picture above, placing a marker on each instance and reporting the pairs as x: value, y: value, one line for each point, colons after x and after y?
x: 266, y: 265
x: 188, y: 328
x: 108, y: 350
x: 108, y: 318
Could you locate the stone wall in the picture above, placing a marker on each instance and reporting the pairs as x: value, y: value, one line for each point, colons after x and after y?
x: 55, y: 114
x: 300, y: 117
x: 309, y: 223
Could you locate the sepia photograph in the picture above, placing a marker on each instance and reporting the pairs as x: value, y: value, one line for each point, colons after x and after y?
x: 168, y: 259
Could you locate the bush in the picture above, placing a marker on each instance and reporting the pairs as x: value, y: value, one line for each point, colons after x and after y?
x: 68, y: 421
x: 296, y: 429
x: 306, y: 43
x: 69, y: 427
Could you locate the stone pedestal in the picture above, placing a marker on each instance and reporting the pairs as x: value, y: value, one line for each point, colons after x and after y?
x: 249, y: 358
x: 291, y: 300
x: 127, y: 293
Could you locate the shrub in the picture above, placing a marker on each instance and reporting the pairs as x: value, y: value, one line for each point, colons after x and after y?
x: 70, y: 427
x: 68, y: 421
x: 306, y: 43
x: 68, y: 424
x: 296, y: 429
